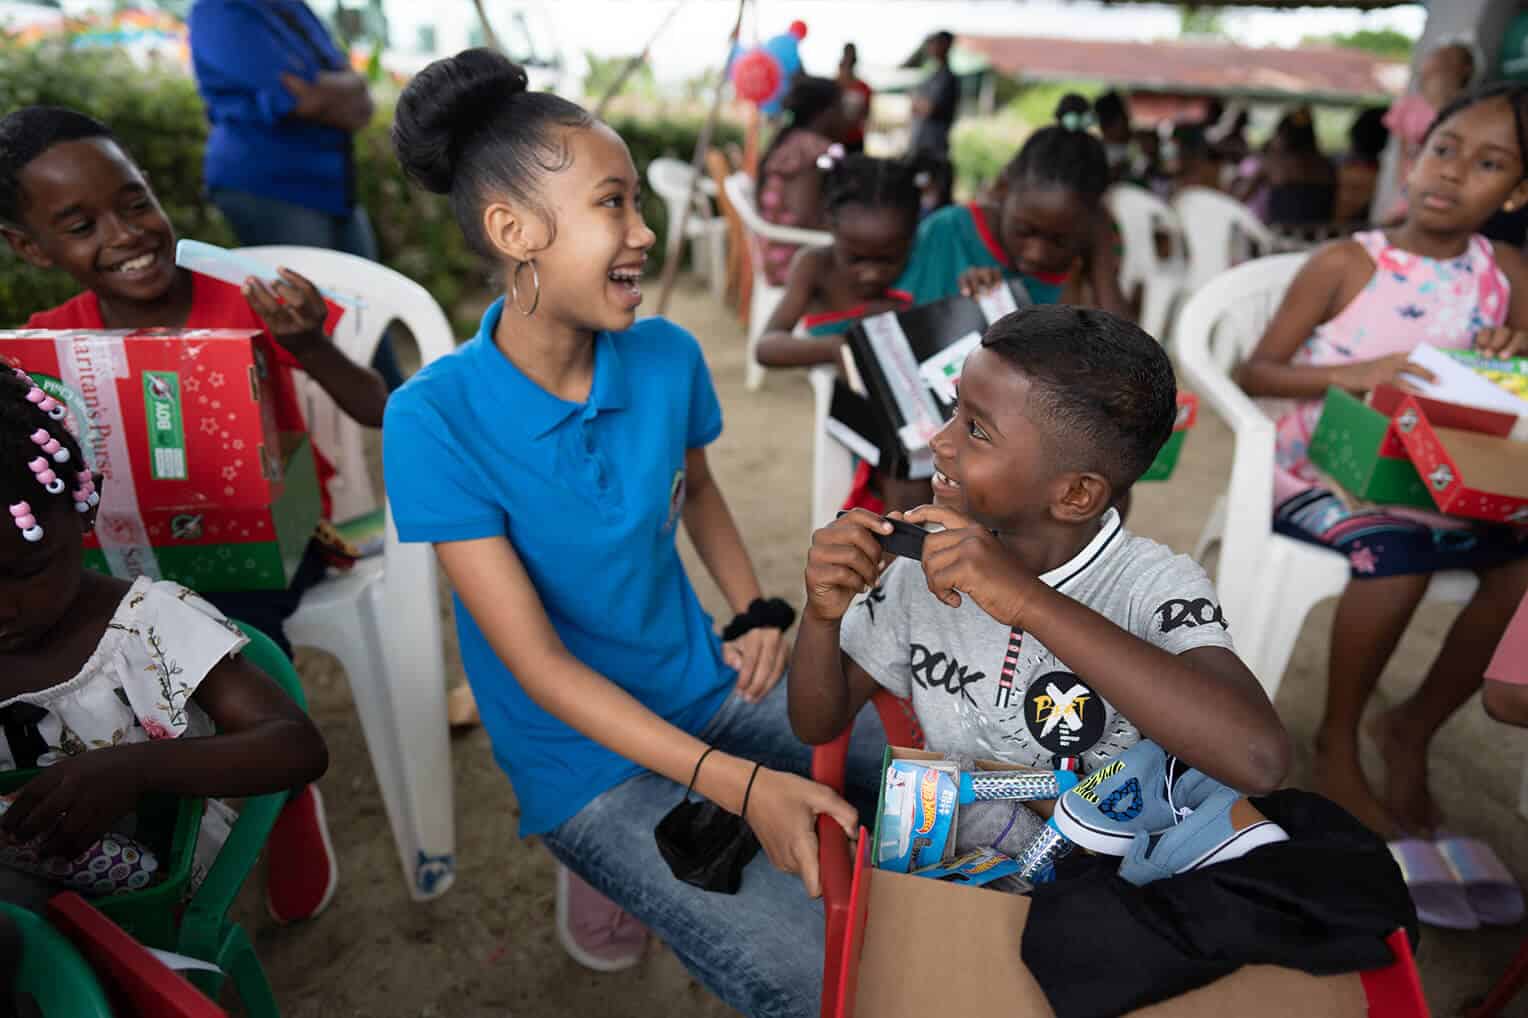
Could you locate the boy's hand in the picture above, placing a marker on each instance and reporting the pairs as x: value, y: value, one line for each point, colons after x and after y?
x: 293, y: 310
x: 845, y: 561
x: 978, y: 280
x: 70, y: 805
x: 759, y: 656
x: 1502, y: 341
x: 967, y: 558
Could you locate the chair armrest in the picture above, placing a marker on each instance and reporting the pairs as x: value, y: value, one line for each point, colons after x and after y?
x: 836, y: 868
x: 830, y: 761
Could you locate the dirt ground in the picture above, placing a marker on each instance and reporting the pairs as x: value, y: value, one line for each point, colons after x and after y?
x: 488, y: 948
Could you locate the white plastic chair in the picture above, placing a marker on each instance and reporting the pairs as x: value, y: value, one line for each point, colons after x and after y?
x: 1141, y: 216
x: 382, y: 618
x: 739, y: 187
x: 704, y: 229
x: 832, y: 462
x: 1267, y: 582
x: 1218, y: 231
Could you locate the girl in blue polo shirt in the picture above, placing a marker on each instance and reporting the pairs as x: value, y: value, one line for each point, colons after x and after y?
x: 551, y: 461
x: 1046, y: 215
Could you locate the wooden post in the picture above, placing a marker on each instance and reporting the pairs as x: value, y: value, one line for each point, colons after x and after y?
x: 697, y: 167
x: 635, y: 62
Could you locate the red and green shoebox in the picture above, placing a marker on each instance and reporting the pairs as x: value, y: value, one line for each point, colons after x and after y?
x: 913, y: 947
x: 1167, y: 457
x: 1470, y: 464
x: 1349, y: 446
x: 199, y: 485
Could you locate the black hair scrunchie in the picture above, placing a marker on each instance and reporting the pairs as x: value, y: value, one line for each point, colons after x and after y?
x: 773, y: 613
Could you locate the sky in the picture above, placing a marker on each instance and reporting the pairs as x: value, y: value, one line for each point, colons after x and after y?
x: 695, y: 40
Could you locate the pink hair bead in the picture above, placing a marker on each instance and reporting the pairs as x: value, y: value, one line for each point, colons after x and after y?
x: 50, y: 481
x: 47, y: 404
x: 50, y: 445
x: 21, y: 513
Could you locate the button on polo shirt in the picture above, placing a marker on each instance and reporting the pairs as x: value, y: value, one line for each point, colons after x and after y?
x: 590, y: 495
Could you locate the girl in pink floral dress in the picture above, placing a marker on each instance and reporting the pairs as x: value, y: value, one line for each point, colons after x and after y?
x: 1351, y: 319
x: 115, y: 689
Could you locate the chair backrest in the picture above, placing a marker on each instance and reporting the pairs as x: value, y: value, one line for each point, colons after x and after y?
x: 670, y: 179
x: 52, y: 971
x: 147, y: 985
x: 1218, y: 230
x: 1217, y: 328
x: 379, y: 296
x: 739, y: 189
x: 1141, y: 216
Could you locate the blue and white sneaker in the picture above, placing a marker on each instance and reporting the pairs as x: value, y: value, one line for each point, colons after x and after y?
x: 1144, y: 789
x: 1225, y: 826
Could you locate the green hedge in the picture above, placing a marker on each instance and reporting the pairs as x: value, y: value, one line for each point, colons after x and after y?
x: 160, y: 119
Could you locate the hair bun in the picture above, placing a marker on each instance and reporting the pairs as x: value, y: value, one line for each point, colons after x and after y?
x: 444, y: 105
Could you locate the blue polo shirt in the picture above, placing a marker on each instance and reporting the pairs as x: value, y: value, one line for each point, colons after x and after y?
x: 239, y: 51
x: 590, y: 495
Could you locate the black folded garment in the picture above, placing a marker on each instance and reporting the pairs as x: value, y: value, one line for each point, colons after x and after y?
x: 1322, y: 902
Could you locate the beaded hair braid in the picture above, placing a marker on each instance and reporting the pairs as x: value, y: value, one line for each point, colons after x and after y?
x: 39, y: 458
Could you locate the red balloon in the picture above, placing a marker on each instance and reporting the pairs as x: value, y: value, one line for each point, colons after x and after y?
x: 756, y: 76
x: 798, y: 29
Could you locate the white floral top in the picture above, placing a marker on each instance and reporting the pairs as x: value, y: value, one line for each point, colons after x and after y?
x: 161, y: 643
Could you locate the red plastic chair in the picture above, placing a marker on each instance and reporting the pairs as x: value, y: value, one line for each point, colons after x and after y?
x: 1393, y: 992
x: 829, y: 762
x: 147, y: 986
x: 1507, y: 987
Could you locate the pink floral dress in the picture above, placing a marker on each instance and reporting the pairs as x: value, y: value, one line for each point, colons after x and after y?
x: 1410, y: 300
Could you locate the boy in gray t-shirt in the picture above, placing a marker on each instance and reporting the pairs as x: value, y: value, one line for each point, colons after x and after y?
x: 1035, y: 628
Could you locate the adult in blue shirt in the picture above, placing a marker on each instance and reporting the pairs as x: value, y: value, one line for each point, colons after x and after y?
x: 551, y: 461
x: 283, y: 105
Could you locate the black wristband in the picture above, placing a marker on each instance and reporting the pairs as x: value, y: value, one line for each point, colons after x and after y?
x: 773, y: 613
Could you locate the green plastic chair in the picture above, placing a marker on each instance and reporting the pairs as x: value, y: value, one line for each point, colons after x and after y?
x: 53, y: 972
x: 203, y: 930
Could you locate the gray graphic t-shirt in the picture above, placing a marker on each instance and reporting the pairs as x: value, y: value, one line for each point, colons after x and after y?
x: 982, y: 689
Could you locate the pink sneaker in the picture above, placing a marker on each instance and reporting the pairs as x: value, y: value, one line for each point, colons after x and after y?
x: 594, y: 930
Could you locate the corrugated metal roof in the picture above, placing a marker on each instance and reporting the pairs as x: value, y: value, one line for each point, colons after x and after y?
x: 1191, y: 65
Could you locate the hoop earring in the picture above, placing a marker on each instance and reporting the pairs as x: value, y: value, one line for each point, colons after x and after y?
x: 514, y: 288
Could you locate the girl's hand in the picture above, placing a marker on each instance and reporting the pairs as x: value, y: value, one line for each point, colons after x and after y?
x: 783, y: 814
x: 979, y: 280
x: 70, y: 805
x: 845, y: 561
x: 1503, y: 341
x: 759, y: 656
x: 293, y: 310
x: 1362, y: 377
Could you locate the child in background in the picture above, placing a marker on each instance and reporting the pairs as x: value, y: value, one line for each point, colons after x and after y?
x: 1035, y: 629
x: 872, y: 207
x: 790, y: 187
x: 1358, y: 171
x: 104, y: 682
x: 1443, y: 76
x: 1046, y: 216
x: 72, y: 199
x: 1350, y: 319
x: 601, y: 681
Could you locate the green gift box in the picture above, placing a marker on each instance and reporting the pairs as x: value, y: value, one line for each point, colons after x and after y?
x: 1167, y: 457
x: 1348, y: 446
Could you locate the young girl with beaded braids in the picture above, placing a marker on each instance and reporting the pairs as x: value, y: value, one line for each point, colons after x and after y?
x: 1044, y: 222
x: 872, y: 212
x: 104, y: 682
x: 1351, y: 319
x: 551, y: 461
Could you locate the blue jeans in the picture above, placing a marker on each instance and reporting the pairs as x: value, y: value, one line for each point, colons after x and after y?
x: 258, y: 221
x: 761, y: 950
